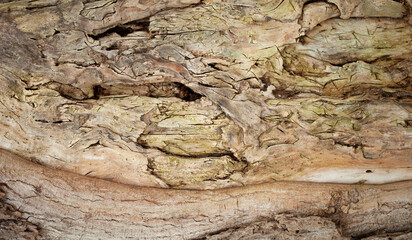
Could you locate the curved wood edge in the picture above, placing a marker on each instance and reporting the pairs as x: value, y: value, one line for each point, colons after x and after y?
x: 75, y: 206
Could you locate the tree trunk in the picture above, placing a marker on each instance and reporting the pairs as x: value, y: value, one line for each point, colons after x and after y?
x: 190, y: 119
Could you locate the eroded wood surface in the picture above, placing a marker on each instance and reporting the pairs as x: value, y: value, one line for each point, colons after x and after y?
x: 233, y: 96
x: 209, y: 94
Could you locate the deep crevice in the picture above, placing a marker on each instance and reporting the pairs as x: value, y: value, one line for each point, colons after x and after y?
x: 214, y: 66
x: 125, y: 29
x: 155, y: 90
x: 284, y: 94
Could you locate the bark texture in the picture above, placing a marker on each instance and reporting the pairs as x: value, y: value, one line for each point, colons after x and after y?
x: 75, y: 206
x: 184, y: 115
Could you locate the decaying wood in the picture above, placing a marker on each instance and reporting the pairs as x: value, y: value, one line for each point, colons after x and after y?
x: 206, y: 95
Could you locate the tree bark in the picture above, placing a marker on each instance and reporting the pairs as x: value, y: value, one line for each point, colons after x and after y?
x: 206, y: 119
x: 74, y: 206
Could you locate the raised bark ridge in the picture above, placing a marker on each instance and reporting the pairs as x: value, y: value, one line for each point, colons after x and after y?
x: 74, y: 206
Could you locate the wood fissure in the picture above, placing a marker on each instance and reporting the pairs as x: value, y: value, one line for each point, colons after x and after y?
x: 206, y: 101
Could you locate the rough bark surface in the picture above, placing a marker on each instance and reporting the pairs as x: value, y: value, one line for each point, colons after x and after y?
x: 75, y: 206
x: 188, y: 107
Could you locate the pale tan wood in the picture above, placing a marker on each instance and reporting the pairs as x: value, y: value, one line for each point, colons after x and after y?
x: 74, y: 206
x: 231, y: 96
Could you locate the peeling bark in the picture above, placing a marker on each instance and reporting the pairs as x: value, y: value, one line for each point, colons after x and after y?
x: 208, y: 95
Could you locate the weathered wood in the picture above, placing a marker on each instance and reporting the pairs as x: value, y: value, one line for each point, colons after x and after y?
x: 74, y: 206
x: 265, y: 99
x: 207, y: 95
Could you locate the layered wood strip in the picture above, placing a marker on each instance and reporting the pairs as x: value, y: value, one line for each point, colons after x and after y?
x: 74, y: 206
